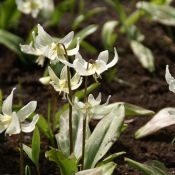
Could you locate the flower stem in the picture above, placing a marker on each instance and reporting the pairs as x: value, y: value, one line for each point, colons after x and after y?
x: 38, y: 171
x: 70, y: 111
x: 21, y: 154
x: 84, y: 124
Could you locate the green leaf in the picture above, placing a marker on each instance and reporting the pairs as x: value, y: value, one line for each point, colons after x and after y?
x: 160, y: 2
x: 112, y: 157
x: 163, y: 14
x: 105, y: 169
x: 108, y: 37
x: 144, y: 55
x: 133, y: 18
x: 83, y: 34
x: 28, y: 151
x: 9, y: 15
x: 63, y: 136
x: 104, y: 135
x: 151, y: 168
x: 130, y: 110
x: 80, y: 95
x: 88, y: 47
x: 57, y: 14
x: 68, y: 166
x: 162, y: 119
x: 36, y: 146
x: 91, y: 88
x: 45, y: 128
x: 85, y: 16
x: 11, y: 41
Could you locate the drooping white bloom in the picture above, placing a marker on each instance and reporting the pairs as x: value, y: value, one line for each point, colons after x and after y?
x: 14, y: 122
x: 61, y: 84
x: 96, y: 67
x: 45, y: 80
x: 55, y: 50
x: 33, y: 7
x: 91, y: 106
x: 170, y: 80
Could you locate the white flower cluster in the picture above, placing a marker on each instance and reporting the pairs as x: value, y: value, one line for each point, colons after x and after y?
x: 33, y: 7
x: 58, y: 50
x: 15, y: 122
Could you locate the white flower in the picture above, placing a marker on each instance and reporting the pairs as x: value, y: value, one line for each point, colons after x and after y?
x: 61, y: 84
x: 94, y: 68
x: 45, y: 80
x: 14, y: 122
x: 33, y: 7
x: 170, y: 80
x: 44, y: 45
x: 91, y: 105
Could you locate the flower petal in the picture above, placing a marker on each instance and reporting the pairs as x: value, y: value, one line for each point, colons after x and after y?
x: 115, y: 59
x: 3, y: 123
x: 93, y: 101
x: 80, y: 65
x: 67, y: 39
x: 29, y: 127
x: 40, y: 60
x: 103, y: 56
x: 76, y: 81
x: 14, y: 127
x: 42, y: 39
x: 100, y: 67
x: 45, y: 80
x: 7, y: 104
x: 75, y: 50
x: 63, y: 75
x: 26, y: 111
x: 53, y: 76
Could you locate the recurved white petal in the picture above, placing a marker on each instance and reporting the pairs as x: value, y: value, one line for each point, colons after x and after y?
x: 14, y: 126
x: 103, y: 56
x: 76, y: 81
x: 100, y: 67
x: 115, y: 59
x: 63, y: 75
x: 53, y: 76
x: 29, y: 49
x: 80, y: 66
x: 94, y: 101
x: 75, y: 50
x: 29, y: 127
x: 7, y: 104
x: 43, y: 38
x: 26, y: 111
x: 67, y: 39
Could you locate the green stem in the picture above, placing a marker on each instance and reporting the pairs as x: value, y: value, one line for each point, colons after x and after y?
x: 38, y: 171
x: 21, y: 154
x: 70, y: 112
x: 84, y: 125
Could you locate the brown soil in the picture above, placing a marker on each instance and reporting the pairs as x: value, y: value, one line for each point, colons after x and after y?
x: 148, y: 90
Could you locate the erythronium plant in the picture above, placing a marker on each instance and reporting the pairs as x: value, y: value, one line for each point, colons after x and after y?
x: 13, y: 122
x: 33, y: 7
x: 81, y: 151
x: 56, y: 50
